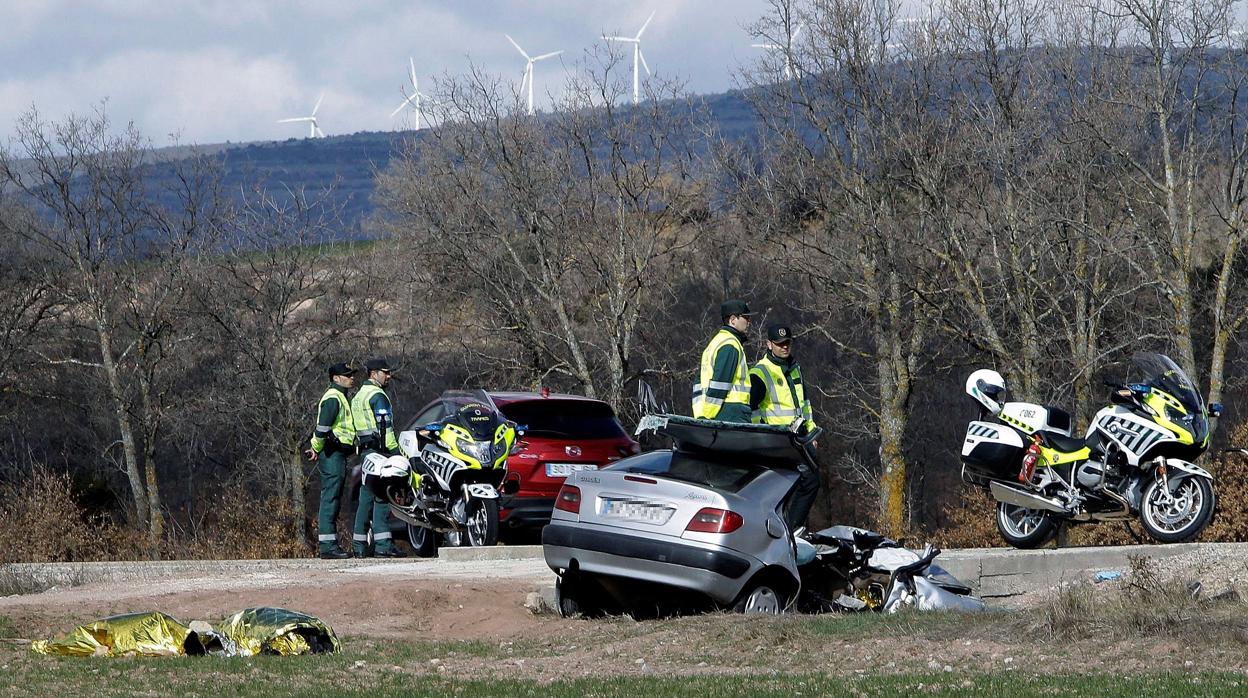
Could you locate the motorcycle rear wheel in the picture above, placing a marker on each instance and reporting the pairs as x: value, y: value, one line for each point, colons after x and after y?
x: 1024, y: 528
x: 1177, y: 517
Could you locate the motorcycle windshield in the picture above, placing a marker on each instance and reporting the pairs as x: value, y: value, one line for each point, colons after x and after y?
x: 452, y: 400
x: 1161, y: 373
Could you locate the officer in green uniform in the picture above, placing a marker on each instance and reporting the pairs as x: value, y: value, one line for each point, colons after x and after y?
x: 778, y: 397
x: 332, y: 443
x: 723, y: 388
x: 374, y: 433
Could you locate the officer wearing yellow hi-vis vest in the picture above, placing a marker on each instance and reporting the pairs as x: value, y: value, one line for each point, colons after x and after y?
x: 332, y: 442
x: 723, y: 388
x: 778, y: 397
x: 375, y: 431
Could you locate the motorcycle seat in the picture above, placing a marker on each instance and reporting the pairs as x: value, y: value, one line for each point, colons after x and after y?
x: 1065, y: 444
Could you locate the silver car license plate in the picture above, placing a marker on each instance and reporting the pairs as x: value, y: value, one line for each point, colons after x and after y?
x: 566, y: 469
x: 635, y: 510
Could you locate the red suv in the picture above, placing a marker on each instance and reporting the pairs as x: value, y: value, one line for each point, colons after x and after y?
x: 563, y: 433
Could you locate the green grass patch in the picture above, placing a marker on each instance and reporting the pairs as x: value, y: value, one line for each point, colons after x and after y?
x: 7, y: 629
x: 344, y: 675
x: 399, y: 652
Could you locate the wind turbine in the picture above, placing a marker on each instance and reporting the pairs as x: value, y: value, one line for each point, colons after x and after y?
x: 528, y: 67
x: 414, y: 98
x: 637, y: 57
x: 790, y: 71
x: 313, y: 129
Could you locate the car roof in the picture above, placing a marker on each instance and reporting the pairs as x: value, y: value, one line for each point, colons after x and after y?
x: 711, y: 438
x: 503, y: 397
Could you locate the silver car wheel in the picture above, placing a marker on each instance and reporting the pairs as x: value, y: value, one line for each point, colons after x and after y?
x: 763, y: 599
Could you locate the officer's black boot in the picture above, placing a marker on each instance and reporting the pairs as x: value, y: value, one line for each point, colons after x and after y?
x: 335, y: 553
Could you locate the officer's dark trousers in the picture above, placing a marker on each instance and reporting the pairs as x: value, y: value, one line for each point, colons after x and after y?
x: 803, y: 496
x: 378, y: 510
x: 333, y: 466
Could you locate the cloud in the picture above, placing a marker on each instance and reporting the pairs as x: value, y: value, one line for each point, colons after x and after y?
x: 217, y: 70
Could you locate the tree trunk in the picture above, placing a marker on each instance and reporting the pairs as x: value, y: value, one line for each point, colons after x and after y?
x: 1224, y: 325
x: 112, y: 373
x: 151, y: 429
x: 294, y: 466
x: 296, y: 494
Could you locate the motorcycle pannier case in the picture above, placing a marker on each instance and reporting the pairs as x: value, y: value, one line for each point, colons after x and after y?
x: 992, y: 450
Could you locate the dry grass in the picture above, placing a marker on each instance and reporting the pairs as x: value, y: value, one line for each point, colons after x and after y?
x: 241, y: 527
x: 41, y: 520
x: 1145, y: 606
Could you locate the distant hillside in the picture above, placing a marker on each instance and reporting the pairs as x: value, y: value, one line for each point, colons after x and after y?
x: 351, y: 161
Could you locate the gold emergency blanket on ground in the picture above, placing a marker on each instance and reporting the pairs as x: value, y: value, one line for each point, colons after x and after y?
x: 248, y: 632
x: 133, y: 634
x: 266, y: 630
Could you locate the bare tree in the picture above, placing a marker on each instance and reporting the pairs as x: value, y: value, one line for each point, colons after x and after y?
x: 566, y: 222
x: 119, y: 247
x: 828, y: 199
x: 283, y: 302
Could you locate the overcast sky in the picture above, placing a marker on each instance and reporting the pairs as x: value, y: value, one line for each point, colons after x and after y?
x: 218, y: 70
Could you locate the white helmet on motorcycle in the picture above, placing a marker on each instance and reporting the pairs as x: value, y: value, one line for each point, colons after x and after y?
x: 387, y: 477
x: 988, y: 388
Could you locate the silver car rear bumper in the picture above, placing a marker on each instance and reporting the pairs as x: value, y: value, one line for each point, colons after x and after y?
x: 708, y: 569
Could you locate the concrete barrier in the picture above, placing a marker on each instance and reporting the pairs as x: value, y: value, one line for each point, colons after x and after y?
x: 1003, y: 572
x: 67, y: 574
x: 994, y: 573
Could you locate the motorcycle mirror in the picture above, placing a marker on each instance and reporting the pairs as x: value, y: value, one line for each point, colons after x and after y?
x: 1122, y: 396
x: 1215, y: 409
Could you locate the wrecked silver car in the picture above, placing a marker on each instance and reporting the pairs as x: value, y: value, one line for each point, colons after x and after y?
x: 702, y: 525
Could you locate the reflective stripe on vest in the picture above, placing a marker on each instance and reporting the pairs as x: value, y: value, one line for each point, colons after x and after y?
x: 738, y: 391
x: 777, y: 406
x: 343, y: 427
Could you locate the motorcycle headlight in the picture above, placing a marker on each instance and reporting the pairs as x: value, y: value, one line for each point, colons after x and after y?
x: 1177, y: 416
x: 479, y: 450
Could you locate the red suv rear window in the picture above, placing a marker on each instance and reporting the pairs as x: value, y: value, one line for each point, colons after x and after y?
x: 565, y: 419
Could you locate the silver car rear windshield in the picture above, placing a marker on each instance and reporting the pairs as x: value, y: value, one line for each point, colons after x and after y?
x: 684, y: 467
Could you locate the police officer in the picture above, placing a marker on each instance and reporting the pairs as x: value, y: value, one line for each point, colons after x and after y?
x: 332, y: 442
x: 375, y: 433
x: 723, y: 388
x: 778, y: 397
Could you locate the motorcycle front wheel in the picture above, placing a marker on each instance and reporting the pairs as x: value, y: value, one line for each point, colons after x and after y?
x: 1024, y: 528
x: 424, y: 541
x: 1179, y: 516
x: 481, y: 523
x: 482, y: 528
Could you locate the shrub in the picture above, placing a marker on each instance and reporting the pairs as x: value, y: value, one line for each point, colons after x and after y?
x: 42, y: 521
x: 240, y: 527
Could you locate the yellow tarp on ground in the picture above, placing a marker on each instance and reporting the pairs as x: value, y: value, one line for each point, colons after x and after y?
x: 278, y: 631
x: 134, y: 634
x: 248, y: 632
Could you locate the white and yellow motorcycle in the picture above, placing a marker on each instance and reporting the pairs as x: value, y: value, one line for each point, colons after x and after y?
x: 1136, y: 459
x: 448, y: 479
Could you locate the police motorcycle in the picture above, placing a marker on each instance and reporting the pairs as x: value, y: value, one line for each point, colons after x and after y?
x: 1136, y: 459
x: 448, y: 479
